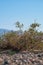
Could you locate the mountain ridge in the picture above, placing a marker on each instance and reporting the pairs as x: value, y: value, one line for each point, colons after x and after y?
x: 3, y: 31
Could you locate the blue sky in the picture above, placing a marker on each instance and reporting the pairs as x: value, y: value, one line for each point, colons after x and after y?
x: 24, y: 11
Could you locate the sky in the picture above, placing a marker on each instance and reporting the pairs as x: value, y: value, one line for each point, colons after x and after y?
x: 24, y: 11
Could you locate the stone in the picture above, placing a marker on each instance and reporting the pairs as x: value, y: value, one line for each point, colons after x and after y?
x: 21, y: 59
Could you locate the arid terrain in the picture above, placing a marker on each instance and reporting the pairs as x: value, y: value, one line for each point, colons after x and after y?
x: 22, y: 58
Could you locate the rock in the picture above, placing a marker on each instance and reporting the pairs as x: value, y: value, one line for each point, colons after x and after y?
x: 1, y: 61
x: 5, y: 62
x: 25, y: 58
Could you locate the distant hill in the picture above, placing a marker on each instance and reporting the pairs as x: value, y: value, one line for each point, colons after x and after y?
x: 2, y: 31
